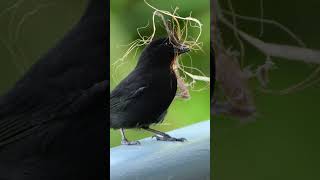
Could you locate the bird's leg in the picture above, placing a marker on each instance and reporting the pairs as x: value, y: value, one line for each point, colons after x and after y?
x: 124, y: 140
x: 163, y: 136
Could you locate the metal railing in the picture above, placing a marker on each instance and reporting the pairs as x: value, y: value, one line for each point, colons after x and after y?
x: 156, y: 160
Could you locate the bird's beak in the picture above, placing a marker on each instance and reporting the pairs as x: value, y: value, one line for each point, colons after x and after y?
x: 182, y: 49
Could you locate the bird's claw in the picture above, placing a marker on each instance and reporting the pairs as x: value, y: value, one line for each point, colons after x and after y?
x: 168, y: 138
x: 126, y: 142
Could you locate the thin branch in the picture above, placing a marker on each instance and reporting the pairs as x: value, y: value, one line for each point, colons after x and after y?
x: 279, y: 50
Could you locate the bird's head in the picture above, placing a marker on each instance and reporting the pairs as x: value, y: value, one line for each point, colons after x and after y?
x: 161, y: 52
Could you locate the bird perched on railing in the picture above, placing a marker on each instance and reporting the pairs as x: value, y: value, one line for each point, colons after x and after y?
x: 143, y: 97
x: 53, y: 121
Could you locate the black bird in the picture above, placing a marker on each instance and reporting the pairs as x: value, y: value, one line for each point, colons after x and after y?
x: 53, y: 122
x: 143, y: 97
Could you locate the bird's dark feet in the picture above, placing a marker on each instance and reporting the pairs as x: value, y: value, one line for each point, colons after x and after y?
x: 126, y: 142
x: 168, y: 138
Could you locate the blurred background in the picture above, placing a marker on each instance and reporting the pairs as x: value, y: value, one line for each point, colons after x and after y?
x: 283, y: 141
x: 126, y: 17
x: 28, y: 28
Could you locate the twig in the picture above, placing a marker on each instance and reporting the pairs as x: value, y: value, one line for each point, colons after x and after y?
x: 278, y: 50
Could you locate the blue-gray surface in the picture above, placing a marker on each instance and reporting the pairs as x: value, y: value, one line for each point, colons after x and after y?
x: 156, y: 160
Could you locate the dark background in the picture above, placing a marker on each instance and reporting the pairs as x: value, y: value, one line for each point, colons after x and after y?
x: 28, y: 28
x: 283, y: 142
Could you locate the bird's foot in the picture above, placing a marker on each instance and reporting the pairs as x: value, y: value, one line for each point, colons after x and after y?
x: 168, y: 138
x: 126, y: 142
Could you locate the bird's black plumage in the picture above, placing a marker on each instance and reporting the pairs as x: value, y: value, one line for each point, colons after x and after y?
x: 53, y: 122
x: 144, y: 96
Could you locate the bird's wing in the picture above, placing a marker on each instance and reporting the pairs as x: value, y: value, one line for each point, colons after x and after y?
x: 16, y: 123
x: 133, y: 86
x: 20, y: 122
x: 121, y: 98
